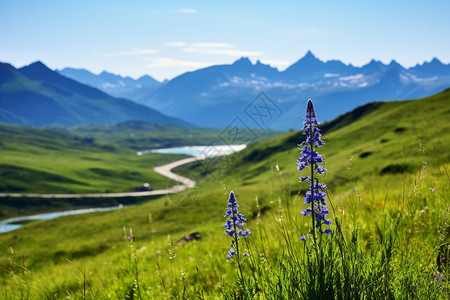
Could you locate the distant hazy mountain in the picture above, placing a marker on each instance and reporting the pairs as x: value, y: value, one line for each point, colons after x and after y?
x: 37, y: 96
x: 113, y: 84
x: 216, y: 95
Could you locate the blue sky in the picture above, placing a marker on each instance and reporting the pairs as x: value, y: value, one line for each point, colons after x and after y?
x: 166, y: 38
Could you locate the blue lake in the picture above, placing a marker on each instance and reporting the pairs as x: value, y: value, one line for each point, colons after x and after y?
x: 206, y: 151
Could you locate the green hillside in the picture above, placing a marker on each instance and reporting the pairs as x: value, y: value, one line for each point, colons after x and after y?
x: 44, y: 161
x: 388, y: 164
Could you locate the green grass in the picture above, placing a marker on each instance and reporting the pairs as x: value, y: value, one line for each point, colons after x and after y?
x: 43, y: 161
x: 377, y: 179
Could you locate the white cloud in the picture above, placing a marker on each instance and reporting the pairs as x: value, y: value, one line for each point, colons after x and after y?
x: 175, y: 44
x: 187, y: 11
x: 199, y: 45
x: 218, y: 51
x: 171, y: 62
x: 215, y: 48
x: 136, y: 51
x: 212, y: 45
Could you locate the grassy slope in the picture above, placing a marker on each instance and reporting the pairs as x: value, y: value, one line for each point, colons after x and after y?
x: 373, y: 142
x: 43, y: 161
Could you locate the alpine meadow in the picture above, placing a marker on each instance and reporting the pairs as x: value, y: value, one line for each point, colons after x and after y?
x: 367, y: 218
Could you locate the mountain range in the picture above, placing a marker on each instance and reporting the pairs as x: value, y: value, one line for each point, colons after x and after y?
x: 259, y: 95
x: 241, y: 94
x: 37, y: 96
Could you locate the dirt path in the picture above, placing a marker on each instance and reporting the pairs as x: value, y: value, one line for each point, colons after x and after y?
x: 165, y: 170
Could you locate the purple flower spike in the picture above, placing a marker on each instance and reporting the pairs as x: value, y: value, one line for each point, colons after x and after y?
x: 234, y: 225
x: 316, y: 195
